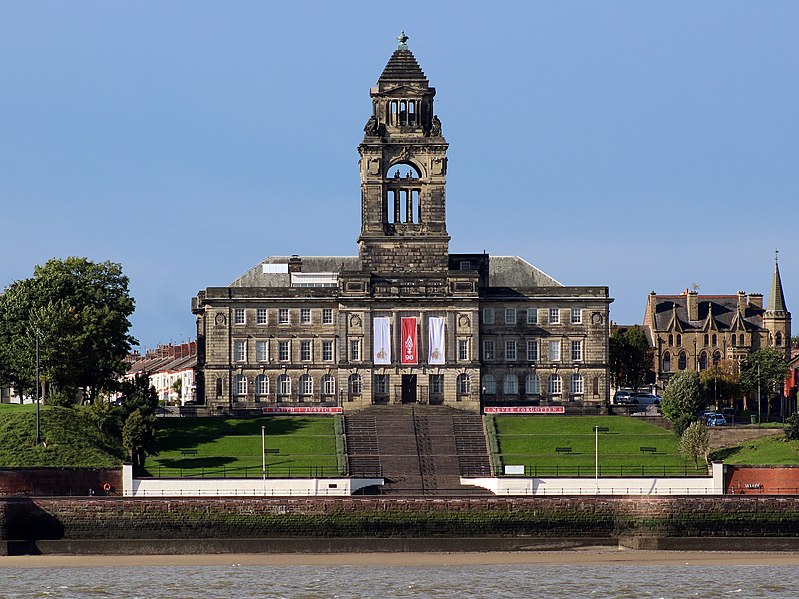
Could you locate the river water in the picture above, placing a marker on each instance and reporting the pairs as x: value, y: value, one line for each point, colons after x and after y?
x: 494, y: 581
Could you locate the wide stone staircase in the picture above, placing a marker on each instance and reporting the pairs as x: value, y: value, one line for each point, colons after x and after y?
x: 420, y: 450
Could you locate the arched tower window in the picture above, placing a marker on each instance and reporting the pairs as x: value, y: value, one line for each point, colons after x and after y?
x: 742, y: 340
x: 682, y: 361
x: 702, y: 360
x: 671, y: 340
x: 778, y: 339
x: 707, y: 339
x: 679, y: 340
x: 714, y: 340
x: 403, y: 194
x: 667, y: 362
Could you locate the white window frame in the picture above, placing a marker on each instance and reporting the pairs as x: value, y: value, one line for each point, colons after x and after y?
x: 262, y: 316
x: 305, y: 316
x: 355, y: 384
x: 261, y: 385
x: 577, y: 351
x: 239, y: 316
x: 554, y: 385
x: 355, y: 350
x: 510, y: 350
x: 510, y: 315
x: 306, y: 350
x: 306, y: 385
x: 436, y: 382
x: 327, y: 315
x: 532, y: 315
x: 576, y: 316
x: 284, y: 385
x: 464, y: 384
x: 239, y: 350
x: 532, y: 384
x: 488, y: 315
x: 463, y: 350
x: 328, y: 384
x: 284, y: 349
x: 382, y: 383
x: 240, y: 385
x: 532, y: 350
x: 489, y: 350
x: 576, y: 384
x: 261, y: 350
x: 553, y: 351
x: 328, y: 352
x: 554, y: 316
x: 283, y: 316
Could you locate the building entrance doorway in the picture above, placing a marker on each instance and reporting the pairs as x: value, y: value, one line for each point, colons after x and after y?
x: 408, y: 388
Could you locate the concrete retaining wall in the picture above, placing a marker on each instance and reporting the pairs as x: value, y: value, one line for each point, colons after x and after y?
x: 683, y: 485
x: 59, y: 481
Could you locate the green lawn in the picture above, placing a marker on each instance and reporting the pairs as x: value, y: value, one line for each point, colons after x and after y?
x: 15, y: 407
x: 232, y: 447
x: 763, y: 451
x: 68, y: 439
x: 532, y: 441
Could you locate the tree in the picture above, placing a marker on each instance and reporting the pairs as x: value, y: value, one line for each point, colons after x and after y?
x: 720, y: 384
x: 694, y: 442
x: 138, y: 437
x: 682, y: 399
x: 79, y: 310
x: 630, y: 357
x: 764, y: 370
x: 791, y: 432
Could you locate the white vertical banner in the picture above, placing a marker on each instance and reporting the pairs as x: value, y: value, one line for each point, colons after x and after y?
x: 435, y: 326
x: 381, y: 345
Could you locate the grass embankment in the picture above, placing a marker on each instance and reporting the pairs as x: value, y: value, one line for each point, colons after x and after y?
x: 772, y: 450
x: 533, y: 441
x: 69, y: 439
x: 232, y: 447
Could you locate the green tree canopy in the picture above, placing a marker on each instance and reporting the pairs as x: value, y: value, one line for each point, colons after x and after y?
x: 683, y: 396
x: 79, y: 310
x: 720, y: 384
x: 630, y: 357
x: 765, y: 367
x: 694, y: 442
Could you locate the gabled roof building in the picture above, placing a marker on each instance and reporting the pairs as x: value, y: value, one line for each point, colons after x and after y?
x: 404, y: 321
x: 693, y: 332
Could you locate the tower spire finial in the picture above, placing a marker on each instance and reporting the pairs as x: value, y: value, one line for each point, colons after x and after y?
x: 776, y: 256
x: 402, y: 38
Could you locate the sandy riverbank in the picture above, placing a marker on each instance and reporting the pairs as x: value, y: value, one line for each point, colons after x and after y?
x: 618, y: 557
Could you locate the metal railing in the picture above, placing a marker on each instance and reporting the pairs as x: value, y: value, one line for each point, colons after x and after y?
x: 257, y: 472
x: 542, y: 470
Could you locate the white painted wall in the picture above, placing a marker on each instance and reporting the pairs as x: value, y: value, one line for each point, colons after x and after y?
x: 253, y: 487
x: 706, y: 485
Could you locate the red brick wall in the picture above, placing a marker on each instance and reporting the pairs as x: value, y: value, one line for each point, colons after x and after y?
x: 761, y: 480
x: 59, y: 481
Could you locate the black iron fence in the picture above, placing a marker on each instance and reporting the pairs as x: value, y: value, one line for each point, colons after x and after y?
x: 543, y: 470
x: 258, y: 472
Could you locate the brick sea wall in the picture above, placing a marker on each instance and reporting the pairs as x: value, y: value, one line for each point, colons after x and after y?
x: 250, y: 518
x: 762, y: 480
x: 59, y: 481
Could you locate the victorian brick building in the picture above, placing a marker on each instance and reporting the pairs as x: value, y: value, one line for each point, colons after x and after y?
x: 404, y: 321
x: 693, y: 332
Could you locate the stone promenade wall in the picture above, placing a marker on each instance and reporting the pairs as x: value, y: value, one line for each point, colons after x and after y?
x: 59, y: 481
x: 114, y: 518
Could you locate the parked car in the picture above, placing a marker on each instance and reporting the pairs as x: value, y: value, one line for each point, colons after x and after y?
x: 647, y: 399
x: 716, y: 420
x: 624, y: 398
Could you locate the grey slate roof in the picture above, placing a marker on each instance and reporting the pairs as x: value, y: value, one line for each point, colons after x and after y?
x: 402, y: 66
x: 722, y: 307
x: 513, y: 271
x: 776, y: 299
x: 255, y: 277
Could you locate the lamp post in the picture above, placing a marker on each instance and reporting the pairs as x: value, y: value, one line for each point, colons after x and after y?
x: 758, y: 394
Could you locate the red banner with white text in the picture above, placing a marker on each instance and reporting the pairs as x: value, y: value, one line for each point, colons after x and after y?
x: 524, y: 410
x: 410, y: 347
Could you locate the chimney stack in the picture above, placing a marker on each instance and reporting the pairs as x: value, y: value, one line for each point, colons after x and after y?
x: 692, y: 304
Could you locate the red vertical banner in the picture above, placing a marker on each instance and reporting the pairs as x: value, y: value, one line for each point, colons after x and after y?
x: 410, y: 347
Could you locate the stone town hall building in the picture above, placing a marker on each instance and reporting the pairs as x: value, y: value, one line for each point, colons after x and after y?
x: 404, y: 321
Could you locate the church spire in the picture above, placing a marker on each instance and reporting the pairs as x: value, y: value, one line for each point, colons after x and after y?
x: 776, y: 299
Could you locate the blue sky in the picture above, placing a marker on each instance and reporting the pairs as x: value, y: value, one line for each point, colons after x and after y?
x: 640, y: 145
